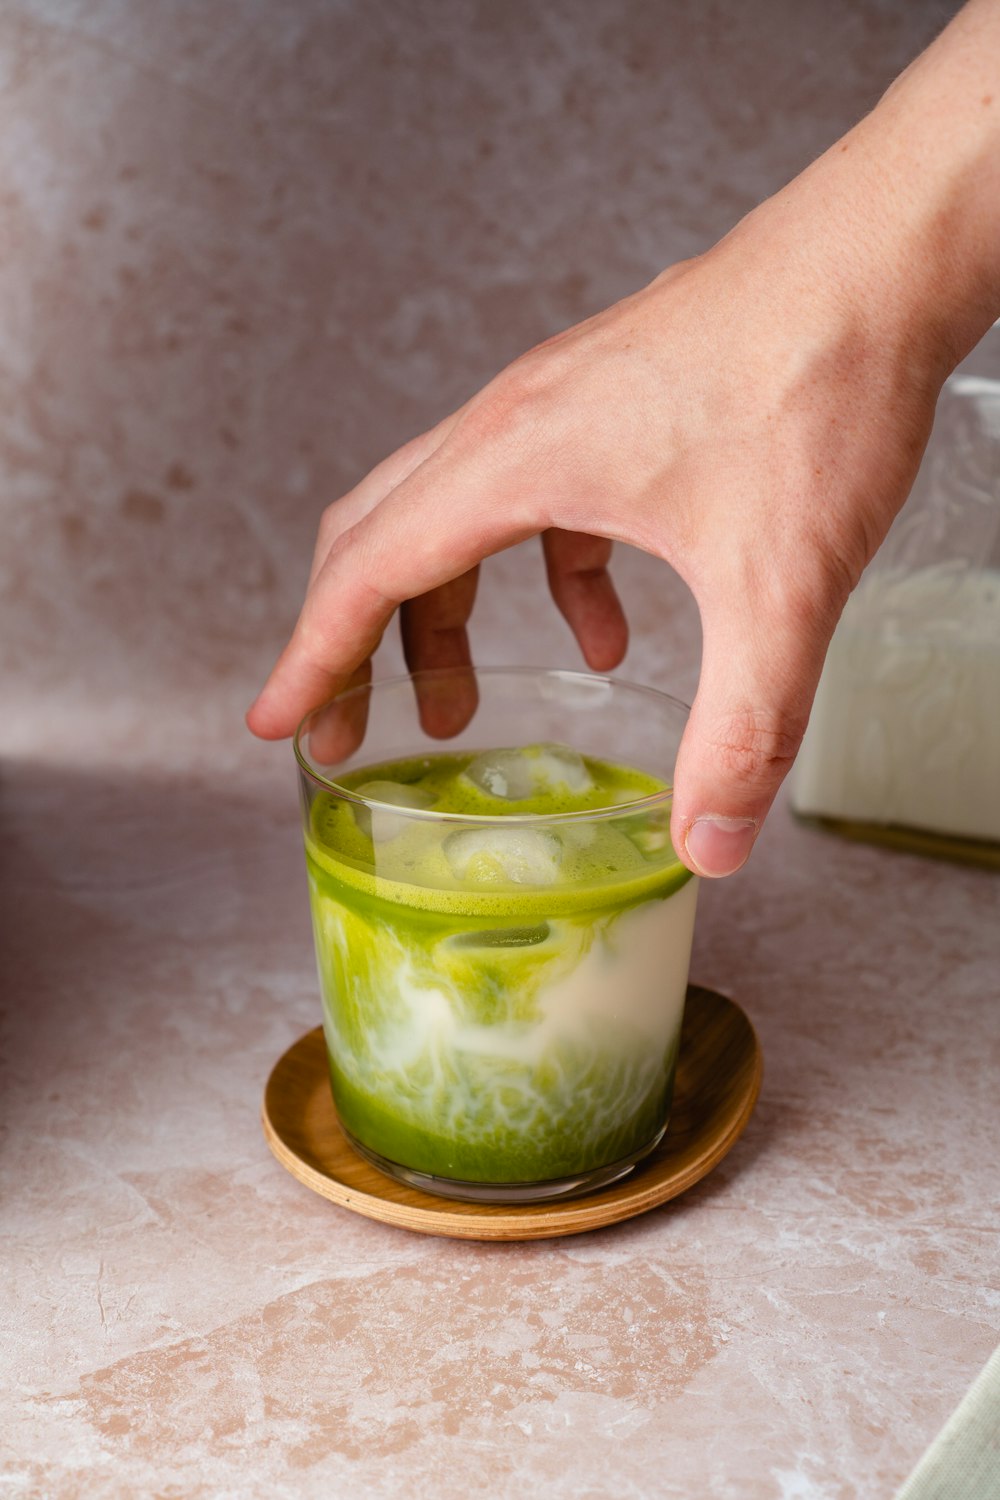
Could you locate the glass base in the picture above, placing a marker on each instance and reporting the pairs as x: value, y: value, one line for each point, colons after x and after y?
x: 509, y: 1192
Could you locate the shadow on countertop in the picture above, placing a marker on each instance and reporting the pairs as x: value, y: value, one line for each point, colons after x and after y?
x: 135, y: 907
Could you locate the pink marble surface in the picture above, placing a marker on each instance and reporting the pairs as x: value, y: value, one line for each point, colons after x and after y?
x: 244, y: 249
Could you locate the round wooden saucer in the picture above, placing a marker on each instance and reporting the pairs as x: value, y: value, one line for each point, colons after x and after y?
x: 718, y: 1080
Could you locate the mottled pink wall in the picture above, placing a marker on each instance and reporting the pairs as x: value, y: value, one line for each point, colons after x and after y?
x: 248, y: 248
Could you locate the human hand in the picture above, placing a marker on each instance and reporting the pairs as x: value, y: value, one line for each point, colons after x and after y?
x: 754, y: 417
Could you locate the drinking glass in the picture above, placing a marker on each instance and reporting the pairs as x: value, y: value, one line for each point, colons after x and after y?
x: 503, y: 991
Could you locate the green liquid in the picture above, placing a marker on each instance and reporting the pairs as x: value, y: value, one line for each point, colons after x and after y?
x: 492, y: 999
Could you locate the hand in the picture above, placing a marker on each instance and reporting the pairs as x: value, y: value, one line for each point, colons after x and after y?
x: 754, y: 417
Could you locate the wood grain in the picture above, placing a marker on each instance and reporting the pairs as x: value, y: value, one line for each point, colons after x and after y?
x: 718, y: 1080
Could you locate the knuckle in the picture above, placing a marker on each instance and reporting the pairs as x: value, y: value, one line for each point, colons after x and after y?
x: 801, y: 595
x: 754, y: 745
x: 329, y: 522
x: 515, y: 408
x: 312, y: 642
x: 325, y: 637
x: 504, y: 416
x: 839, y: 563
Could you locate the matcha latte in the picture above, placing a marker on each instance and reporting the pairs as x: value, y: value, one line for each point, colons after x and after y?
x: 503, y: 939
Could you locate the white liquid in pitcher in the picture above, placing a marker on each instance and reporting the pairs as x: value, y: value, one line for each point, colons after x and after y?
x: 905, y: 729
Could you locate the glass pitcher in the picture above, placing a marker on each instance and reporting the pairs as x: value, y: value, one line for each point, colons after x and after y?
x: 903, y: 745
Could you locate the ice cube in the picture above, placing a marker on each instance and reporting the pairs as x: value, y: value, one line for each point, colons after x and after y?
x: 504, y: 856
x: 517, y: 774
x: 376, y: 822
x: 650, y: 832
x: 579, y: 835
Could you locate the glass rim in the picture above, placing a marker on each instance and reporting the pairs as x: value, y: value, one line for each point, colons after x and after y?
x: 512, y: 820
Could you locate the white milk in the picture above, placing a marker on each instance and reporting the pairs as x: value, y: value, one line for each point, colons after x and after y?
x: 632, y: 974
x: 603, y: 1024
x: 905, y: 729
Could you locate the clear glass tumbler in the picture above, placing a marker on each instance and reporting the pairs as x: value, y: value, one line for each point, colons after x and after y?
x: 503, y: 970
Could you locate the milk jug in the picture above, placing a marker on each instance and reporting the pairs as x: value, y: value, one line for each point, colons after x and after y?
x: 903, y: 744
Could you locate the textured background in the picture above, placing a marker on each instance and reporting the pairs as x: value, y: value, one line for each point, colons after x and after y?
x: 249, y: 247
x: 245, y: 249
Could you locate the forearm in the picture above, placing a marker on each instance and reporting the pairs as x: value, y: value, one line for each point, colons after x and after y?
x: 917, y: 187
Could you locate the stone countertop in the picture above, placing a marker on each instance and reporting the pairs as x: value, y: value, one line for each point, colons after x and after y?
x: 247, y: 250
x: 183, y: 1319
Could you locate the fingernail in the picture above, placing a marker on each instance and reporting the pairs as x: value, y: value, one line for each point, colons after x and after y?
x: 719, y: 846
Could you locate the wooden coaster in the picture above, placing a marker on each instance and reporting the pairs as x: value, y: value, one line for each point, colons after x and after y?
x: 718, y: 1080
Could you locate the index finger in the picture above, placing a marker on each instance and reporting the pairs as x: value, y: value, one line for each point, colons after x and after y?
x: 436, y: 525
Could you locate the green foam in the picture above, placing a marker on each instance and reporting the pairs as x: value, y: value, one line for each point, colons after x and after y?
x: 603, y: 861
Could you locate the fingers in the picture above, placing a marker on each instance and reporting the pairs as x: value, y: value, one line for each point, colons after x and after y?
x: 435, y: 637
x: 336, y: 730
x: 372, y: 490
x: 436, y: 525
x: 758, y: 679
x: 308, y: 672
x: 577, y: 567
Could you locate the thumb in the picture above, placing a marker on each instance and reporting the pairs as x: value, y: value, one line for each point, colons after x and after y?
x: 758, y: 678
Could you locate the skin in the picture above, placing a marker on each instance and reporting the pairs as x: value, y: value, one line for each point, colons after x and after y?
x: 754, y: 417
